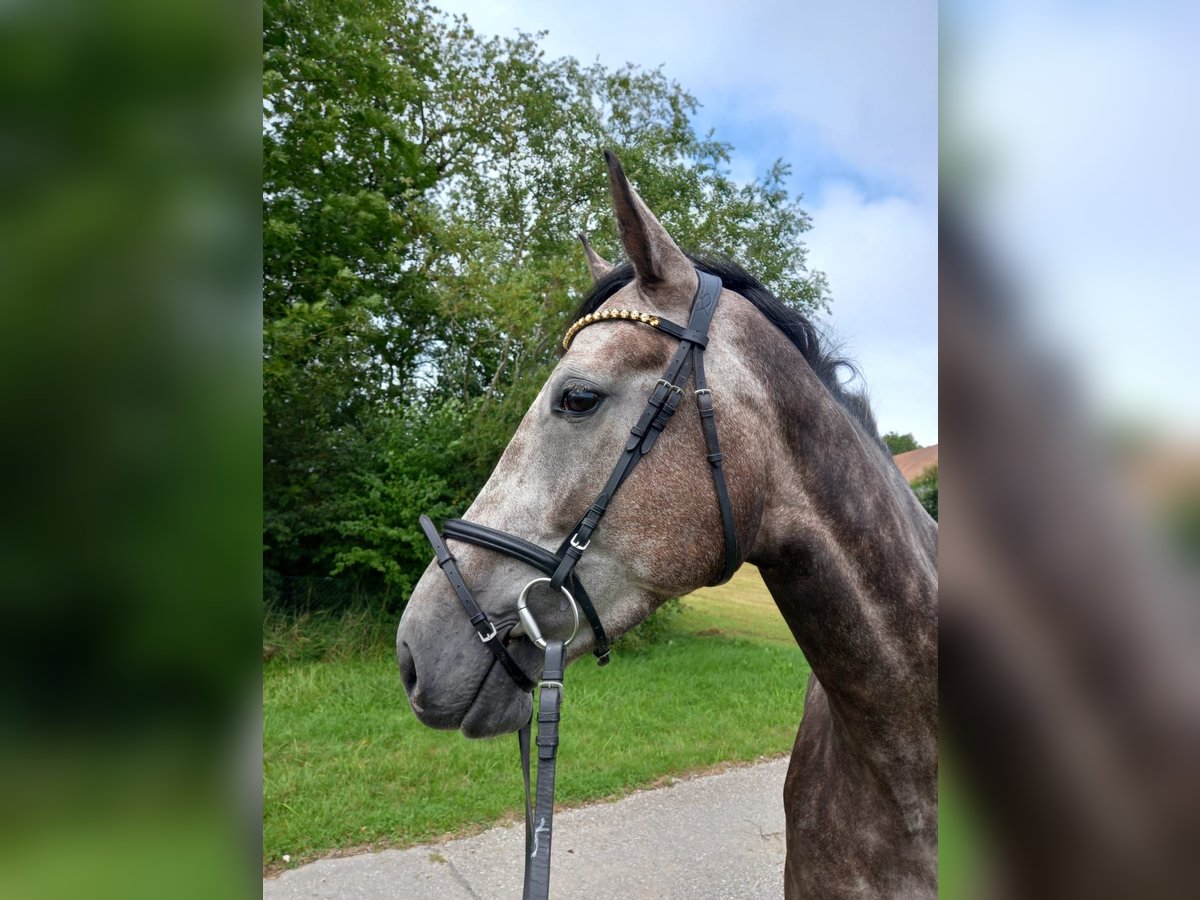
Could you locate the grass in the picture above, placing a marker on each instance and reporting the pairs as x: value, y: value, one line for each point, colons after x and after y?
x: 741, y: 608
x: 326, y: 637
x: 347, y: 765
x: 964, y: 860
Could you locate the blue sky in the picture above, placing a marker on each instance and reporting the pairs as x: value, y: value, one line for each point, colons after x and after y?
x: 847, y: 93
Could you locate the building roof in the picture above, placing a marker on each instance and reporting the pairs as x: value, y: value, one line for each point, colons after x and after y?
x: 914, y: 462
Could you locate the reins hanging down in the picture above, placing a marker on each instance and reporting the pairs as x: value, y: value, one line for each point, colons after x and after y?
x: 559, y: 568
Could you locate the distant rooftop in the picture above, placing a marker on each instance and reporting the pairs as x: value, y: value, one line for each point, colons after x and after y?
x: 913, y: 462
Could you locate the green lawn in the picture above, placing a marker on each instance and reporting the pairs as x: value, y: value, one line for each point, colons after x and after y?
x: 741, y: 608
x: 346, y: 764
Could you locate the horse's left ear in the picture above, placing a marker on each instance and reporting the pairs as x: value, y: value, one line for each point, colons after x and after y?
x: 657, y: 261
x: 597, y: 264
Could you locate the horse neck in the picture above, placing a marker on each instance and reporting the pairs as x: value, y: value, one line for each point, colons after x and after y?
x: 850, y: 558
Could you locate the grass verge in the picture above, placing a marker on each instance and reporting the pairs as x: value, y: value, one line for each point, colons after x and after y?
x: 347, y: 765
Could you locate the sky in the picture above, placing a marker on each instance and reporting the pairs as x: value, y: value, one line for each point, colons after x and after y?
x: 846, y: 93
x: 1082, y: 118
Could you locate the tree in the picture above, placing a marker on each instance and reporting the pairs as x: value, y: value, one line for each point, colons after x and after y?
x: 345, y: 311
x: 900, y: 443
x: 423, y: 187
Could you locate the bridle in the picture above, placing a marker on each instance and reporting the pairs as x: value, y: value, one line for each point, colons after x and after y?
x: 559, y: 567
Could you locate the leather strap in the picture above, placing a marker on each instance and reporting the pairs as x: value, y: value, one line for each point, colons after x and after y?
x: 690, y: 334
x: 479, y: 620
x: 663, y: 402
x: 501, y: 541
x: 539, y: 820
x: 716, y: 460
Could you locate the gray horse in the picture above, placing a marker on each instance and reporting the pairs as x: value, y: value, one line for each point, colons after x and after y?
x: 845, y: 549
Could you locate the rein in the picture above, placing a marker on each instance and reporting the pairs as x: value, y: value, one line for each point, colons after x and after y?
x: 559, y: 567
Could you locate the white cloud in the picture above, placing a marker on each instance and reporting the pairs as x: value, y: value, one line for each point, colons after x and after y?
x: 881, y: 259
x: 853, y: 83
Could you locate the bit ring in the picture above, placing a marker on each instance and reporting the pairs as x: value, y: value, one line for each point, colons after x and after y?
x: 531, y: 626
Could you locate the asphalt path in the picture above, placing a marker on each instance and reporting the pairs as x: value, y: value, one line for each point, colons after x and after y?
x: 712, y: 837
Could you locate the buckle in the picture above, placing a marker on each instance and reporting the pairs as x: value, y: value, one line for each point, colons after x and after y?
x: 703, y: 391
x: 546, y: 684
x: 670, y: 387
x: 578, y: 546
x: 485, y: 638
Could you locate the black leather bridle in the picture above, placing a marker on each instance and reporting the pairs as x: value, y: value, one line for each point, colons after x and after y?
x: 559, y: 567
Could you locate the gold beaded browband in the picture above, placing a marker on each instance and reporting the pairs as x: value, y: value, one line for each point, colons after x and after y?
x: 629, y: 315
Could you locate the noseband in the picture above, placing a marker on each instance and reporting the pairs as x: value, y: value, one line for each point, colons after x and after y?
x: 559, y: 568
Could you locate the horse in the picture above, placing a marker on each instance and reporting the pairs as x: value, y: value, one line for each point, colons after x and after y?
x: 844, y: 547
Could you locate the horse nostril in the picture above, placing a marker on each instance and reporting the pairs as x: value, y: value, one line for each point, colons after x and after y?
x: 408, y: 668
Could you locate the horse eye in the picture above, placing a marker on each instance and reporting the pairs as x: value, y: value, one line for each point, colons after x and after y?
x: 579, y: 400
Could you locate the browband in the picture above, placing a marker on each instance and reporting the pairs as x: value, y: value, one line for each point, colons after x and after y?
x: 692, y: 335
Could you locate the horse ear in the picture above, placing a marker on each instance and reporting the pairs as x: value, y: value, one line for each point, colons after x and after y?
x: 656, y: 260
x: 598, y: 265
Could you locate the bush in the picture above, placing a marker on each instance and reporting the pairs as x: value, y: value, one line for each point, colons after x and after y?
x: 1183, y: 528
x: 925, y: 486
x: 655, y: 630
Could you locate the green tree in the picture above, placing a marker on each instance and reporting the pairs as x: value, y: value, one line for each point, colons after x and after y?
x: 345, y: 311
x: 900, y: 443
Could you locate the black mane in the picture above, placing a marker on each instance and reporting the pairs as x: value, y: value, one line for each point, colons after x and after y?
x: 826, y: 364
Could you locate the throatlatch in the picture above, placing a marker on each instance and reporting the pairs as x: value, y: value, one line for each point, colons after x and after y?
x: 559, y: 568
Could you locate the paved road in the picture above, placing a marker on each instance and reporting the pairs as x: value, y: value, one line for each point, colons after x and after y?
x: 715, y: 837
